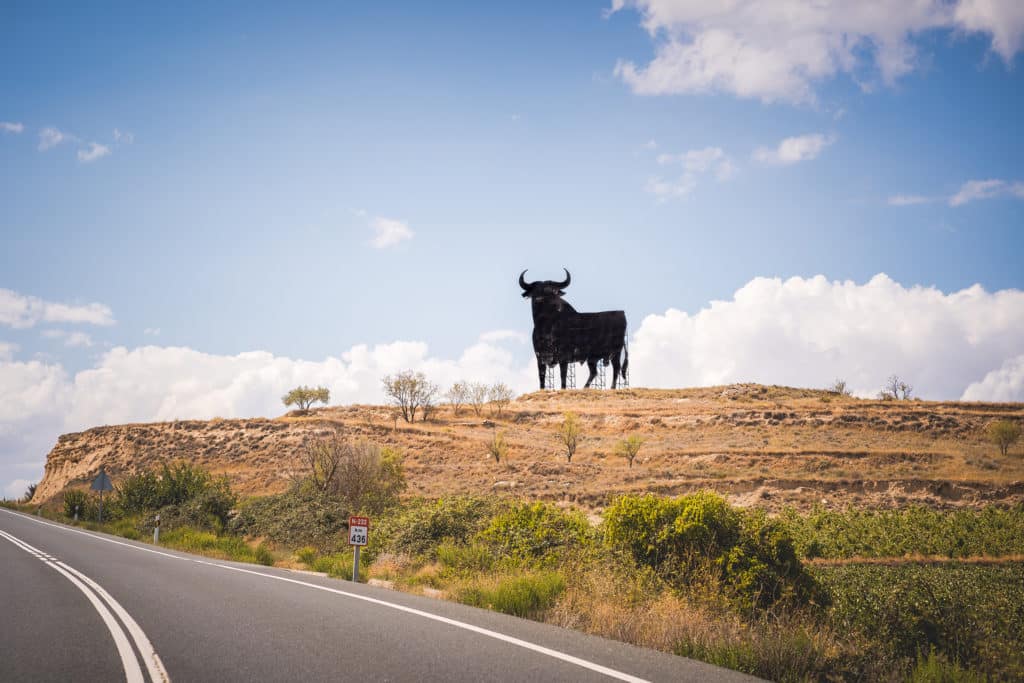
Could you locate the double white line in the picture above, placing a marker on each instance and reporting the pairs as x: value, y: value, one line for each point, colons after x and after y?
x: 100, y: 600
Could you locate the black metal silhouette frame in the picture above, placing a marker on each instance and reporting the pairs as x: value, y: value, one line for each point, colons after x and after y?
x: 561, y: 335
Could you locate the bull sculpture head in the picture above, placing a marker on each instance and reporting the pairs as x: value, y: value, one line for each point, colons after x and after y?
x: 544, y: 289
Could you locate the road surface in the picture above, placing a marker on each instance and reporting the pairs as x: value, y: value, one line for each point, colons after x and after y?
x: 79, y: 605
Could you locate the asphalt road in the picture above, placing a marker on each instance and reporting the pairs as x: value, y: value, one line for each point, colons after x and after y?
x: 79, y: 605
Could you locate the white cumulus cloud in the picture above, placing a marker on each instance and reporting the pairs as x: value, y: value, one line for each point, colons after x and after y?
x: 793, y: 150
x: 388, y: 232
x: 778, y: 50
x: 1005, y: 383
x: 20, y: 311
x: 808, y: 331
x: 93, y: 152
x: 11, y: 127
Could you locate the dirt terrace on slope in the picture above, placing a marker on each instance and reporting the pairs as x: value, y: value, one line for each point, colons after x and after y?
x: 761, y: 446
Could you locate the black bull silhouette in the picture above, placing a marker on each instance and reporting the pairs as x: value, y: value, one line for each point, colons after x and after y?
x: 562, y: 336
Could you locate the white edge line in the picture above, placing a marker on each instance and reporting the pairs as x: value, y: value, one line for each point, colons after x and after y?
x: 612, y: 673
x: 132, y: 672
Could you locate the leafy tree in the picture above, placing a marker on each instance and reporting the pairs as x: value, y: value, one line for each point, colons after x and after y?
x: 304, y: 397
x: 1004, y: 434
x: 410, y: 391
x: 895, y: 389
x: 457, y: 396
x: 500, y: 395
x: 569, y: 434
x: 498, y: 447
x: 369, y: 478
x: 839, y: 387
x: 629, y: 447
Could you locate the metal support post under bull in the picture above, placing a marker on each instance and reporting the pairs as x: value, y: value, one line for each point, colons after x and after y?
x: 355, y: 564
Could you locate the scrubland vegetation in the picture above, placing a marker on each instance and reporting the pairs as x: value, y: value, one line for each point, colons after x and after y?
x: 797, y: 596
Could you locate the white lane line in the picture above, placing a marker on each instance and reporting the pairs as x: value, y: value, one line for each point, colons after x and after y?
x: 132, y: 672
x: 611, y: 673
x: 64, y: 527
x: 586, y: 664
x: 154, y: 666
x: 157, y: 673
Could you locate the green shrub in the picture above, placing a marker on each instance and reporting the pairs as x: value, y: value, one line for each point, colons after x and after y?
x: 206, y: 543
x: 294, y: 518
x: 992, y: 531
x: 83, y: 501
x: 969, y: 614
x: 537, y: 533
x: 339, y: 565
x: 140, y: 492
x: 472, y: 557
x: 701, y: 538
x: 527, y: 596
x: 307, y: 555
x: 935, y: 669
x: 421, y: 525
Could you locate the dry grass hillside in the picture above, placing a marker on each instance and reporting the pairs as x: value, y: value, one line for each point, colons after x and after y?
x: 760, y: 446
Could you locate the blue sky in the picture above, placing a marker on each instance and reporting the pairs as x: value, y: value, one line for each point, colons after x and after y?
x: 215, y: 178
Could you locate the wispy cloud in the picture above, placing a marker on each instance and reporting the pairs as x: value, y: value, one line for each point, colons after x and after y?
x: 71, y: 339
x: 388, y: 232
x: 695, y: 163
x: 793, y: 150
x: 10, y: 127
x: 151, y: 332
x: 124, y: 136
x: 974, y: 190
x: 20, y: 311
x: 93, y: 152
x: 50, y: 137
x: 908, y: 200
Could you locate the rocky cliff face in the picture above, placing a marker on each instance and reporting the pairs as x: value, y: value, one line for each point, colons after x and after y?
x: 763, y: 446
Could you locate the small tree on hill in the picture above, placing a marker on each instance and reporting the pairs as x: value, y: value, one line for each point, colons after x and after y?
x: 410, y: 391
x: 478, y: 393
x: 457, y: 396
x: 304, y: 396
x: 500, y: 395
x: 569, y: 434
x: 1004, y: 434
x: 29, y: 492
x: 629, y: 447
x: 895, y: 389
x: 498, y: 447
x: 839, y: 387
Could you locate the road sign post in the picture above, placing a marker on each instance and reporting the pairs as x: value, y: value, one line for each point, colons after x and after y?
x: 102, y: 483
x: 358, y: 534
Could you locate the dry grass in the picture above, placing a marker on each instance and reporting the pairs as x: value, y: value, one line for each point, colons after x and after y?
x: 760, y: 446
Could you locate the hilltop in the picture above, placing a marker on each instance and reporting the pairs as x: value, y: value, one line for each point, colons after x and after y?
x: 761, y: 446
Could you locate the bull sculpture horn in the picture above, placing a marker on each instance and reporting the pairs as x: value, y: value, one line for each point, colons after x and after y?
x: 565, y: 283
x: 522, y: 281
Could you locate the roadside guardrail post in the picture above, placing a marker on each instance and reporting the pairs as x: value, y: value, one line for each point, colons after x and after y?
x: 156, y: 530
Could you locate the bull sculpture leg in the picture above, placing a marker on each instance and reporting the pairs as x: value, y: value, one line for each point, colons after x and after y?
x: 563, y: 368
x: 615, y: 369
x: 592, y: 366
